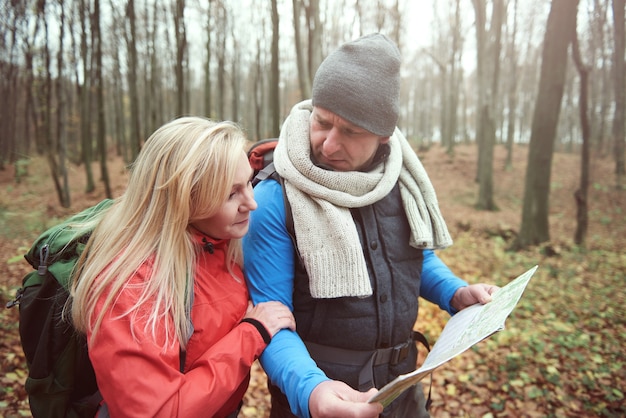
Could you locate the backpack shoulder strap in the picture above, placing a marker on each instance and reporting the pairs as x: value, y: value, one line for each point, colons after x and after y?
x: 269, y: 172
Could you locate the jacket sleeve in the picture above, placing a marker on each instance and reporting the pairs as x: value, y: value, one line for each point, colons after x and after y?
x: 439, y: 283
x: 138, y: 377
x: 269, y: 257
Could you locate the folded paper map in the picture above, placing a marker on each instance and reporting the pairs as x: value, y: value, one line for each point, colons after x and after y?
x: 468, y: 327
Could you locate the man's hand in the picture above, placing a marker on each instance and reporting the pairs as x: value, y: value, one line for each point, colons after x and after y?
x: 472, y: 294
x: 335, y: 399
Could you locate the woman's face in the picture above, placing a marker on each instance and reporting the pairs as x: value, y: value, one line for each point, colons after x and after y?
x: 232, y: 219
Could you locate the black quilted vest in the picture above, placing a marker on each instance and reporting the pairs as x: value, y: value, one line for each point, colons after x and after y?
x: 382, y: 320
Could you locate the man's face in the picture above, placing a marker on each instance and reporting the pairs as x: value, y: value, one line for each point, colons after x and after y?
x: 340, y: 145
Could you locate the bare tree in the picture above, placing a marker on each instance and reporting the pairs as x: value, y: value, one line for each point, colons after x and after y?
x: 11, y: 26
x: 619, y: 86
x: 154, y: 91
x: 30, y: 108
x: 119, y: 120
x: 235, y: 78
x: 207, y: 64
x: 396, y: 20
x: 180, y: 34
x: 561, y: 23
x: 61, y: 134
x: 7, y: 141
x: 307, y: 42
x: 84, y: 93
x: 275, y: 73
x: 315, y: 34
x: 99, y: 84
x: 581, y: 194
x: 487, y: 74
x: 451, y: 72
x: 304, y: 80
x: 257, y: 91
x: 512, y: 89
x: 220, y: 50
x: 45, y: 140
x: 131, y: 44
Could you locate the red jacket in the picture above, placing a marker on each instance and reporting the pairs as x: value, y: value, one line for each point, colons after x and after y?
x: 137, y: 378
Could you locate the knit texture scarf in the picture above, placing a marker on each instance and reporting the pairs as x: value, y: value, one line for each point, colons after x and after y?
x: 321, y: 199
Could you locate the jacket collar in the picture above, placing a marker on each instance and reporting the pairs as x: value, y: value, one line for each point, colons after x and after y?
x: 207, y: 243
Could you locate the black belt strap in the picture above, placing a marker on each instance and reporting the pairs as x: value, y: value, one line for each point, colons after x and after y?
x: 367, y: 359
x: 328, y: 354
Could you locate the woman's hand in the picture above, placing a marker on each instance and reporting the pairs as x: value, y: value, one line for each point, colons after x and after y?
x: 273, y: 315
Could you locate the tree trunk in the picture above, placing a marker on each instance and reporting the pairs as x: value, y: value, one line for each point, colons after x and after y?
x: 512, y: 92
x: 489, y: 54
x: 135, y: 130
x: 581, y: 193
x: 561, y: 23
x: 30, y: 111
x: 221, y: 31
x: 154, y: 102
x: 118, y: 124
x: 64, y: 197
x: 275, y: 73
x: 447, y: 57
x: 257, y: 92
x: 48, y: 143
x: 481, y: 78
x: 101, y: 130
x: 316, y: 31
x: 84, y: 97
x: 620, y: 93
x: 454, y: 80
x: 207, y: 65
x: 8, y: 88
x: 181, y: 45
x: 304, y: 79
x: 235, y: 80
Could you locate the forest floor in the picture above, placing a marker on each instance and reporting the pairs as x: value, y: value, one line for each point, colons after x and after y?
x: 562, y: 352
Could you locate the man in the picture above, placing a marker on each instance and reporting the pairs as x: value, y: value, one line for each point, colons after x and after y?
x: 365, y: 222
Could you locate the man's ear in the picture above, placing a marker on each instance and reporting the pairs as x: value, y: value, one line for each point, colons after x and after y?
x: 384, y: 140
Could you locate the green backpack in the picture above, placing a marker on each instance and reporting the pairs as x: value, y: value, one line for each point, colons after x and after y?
x: 61, y: 381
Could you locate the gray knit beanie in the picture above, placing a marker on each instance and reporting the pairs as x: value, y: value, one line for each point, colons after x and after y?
x: 360, y: 82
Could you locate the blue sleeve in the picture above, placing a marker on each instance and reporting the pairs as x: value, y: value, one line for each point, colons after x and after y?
x: 269, y: 258
x: 438, y: 282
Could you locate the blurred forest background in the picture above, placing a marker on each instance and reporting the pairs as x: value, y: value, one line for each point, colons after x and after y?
x: 496, y: 94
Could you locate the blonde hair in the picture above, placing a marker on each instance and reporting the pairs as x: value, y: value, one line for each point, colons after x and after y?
x: 184, y: 173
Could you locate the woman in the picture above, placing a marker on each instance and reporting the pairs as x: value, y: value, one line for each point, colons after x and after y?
x: 177, y: 228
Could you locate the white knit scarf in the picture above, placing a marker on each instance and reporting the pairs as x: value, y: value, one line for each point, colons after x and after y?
x: 321, y: 199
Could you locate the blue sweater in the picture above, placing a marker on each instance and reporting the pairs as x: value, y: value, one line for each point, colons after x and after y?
x: 269, y: 258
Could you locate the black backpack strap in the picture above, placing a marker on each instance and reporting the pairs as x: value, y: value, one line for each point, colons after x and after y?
x: 288, y: 214
x: 419, y: 337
